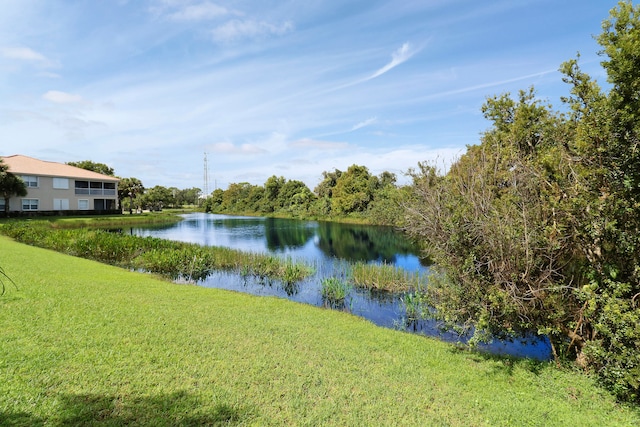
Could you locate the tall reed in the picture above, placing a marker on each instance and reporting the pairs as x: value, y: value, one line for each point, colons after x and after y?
x: 385, y: 277
x: 188, y: 261
x: 335, y: 291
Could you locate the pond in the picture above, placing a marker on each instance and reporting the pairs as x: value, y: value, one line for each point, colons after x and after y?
x: 329, y: 248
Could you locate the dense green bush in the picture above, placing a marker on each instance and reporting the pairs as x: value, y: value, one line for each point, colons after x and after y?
x: 537, y: 228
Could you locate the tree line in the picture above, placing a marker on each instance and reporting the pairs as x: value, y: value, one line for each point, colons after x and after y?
x: 354, y: 193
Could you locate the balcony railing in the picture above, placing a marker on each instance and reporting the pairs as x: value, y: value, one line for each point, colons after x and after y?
x: 95, y: 192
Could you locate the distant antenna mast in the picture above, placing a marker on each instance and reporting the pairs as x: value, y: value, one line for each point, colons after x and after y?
x: 206, y: 176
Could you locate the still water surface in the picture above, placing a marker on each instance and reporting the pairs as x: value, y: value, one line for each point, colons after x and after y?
x: 328, y: 247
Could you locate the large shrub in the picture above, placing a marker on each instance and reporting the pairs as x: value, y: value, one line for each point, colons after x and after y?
x: 537, y: 228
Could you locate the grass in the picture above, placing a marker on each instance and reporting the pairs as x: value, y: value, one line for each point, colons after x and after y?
x: 385, y: 277
x: 190, y: 266
x: 334, y: 291
x: 165, y: 217
x: 176, y: 260
x: 84, y: 343
x: 415, y: 306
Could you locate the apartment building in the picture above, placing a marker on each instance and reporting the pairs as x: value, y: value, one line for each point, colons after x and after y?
x: 55, y: 186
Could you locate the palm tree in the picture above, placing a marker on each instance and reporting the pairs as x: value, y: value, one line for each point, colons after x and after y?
x: 129, y: 187
x: 10, y: 185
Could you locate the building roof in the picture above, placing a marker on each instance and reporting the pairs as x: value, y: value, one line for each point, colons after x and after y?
x: 24, y: 165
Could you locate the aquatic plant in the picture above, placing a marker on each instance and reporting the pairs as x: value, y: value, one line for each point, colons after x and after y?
x: 175, y: 260
x: 335, y: 291
x: 415, y: 306
x: 385, y: 277
x: 293, y: 272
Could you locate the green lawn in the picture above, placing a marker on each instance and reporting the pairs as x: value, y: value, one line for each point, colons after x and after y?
x: 118, y: 220
x: 83, y: 343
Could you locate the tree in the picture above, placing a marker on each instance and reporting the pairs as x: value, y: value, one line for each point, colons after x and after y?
x: 157, y: 197
x: 353, y: 190
x: 608, y: 139
x: 10, y: 185
x: 93, y: 166
x: 386, y: 208
x: 328, y: 183
x: 295, y: 197
x: 129, y: 187
x: 537, y: 228
x: 271, y: 191
x: 490, y: 225
x: 189, y: 196
x: 214, y: 203
x: 387, y: 178
x: 324, y: 191
x: 235, y: 196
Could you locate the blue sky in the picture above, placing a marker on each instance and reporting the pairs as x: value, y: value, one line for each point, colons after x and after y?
x: 288, y: 88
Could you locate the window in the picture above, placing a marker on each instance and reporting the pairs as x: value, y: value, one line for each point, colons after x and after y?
x: 61, y: 183
x: 83, y: 205
x: 60, y: 204
x: 29, y: 204
x: 30, y: 181
x: 96, y: 188
x: 82, y: 187
x: 109, y: 188
x: 2, y: 204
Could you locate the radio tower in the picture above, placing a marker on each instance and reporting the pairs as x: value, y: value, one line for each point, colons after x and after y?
x: 206, y: 177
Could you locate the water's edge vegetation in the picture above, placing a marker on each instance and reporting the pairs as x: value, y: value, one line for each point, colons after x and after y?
x: 175, y: 260
x: 187, y: 261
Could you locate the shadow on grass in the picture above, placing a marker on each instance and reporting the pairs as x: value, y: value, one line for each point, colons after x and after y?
x: 505, y: 364
x: 176, y: 409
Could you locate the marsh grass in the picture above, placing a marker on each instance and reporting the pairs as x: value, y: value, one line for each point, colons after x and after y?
x: 85, y: 343
x: 385, y: 277
x: 186, y: 261
x: 415, y: 306
x: 176, y: 260
x: 335, y: 291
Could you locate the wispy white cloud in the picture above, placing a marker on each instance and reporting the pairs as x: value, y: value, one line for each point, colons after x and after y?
x: 308, y: 143
x: 58, y: 97
x: 227, y: 31
x: 364, y: 123
x: 199, y: 12
x: 490, y: 84
x: 23, y: 53
x: 399, y: 56
x: 236, y: 29
x: 402, y: 54
x: 49, y: 75
x: 231, y: 148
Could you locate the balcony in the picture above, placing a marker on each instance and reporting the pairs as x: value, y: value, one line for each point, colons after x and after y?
x: 95, y: 192
x: 94, y: 188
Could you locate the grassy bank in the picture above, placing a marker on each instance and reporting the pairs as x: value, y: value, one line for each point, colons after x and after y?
x: 146, y: 218
x: 188, y: 261
x: 176, y: 260
x: 88, y: 344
